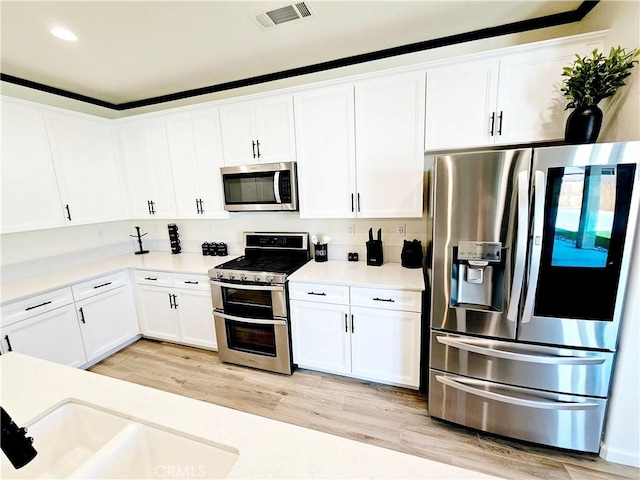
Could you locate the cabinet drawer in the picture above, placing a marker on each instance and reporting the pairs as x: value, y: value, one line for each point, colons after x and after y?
x: 387, y: 299
x: 98, y: 285
x: 319, y: 292
x: 147, y: 277
x: 14, y: 312
x: 192, y: 282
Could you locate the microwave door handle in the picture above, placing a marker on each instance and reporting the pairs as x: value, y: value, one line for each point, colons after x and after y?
x: 520, y: 254
x: 241, y: 286
x: 536, y: 244
x: 276, y: 186
x: 226, y: 316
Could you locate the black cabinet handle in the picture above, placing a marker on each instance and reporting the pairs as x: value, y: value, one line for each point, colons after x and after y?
x: 151, y: 278
x: 352, y: 207
x: 258, y: 147
x: 37, y: 306
x: 191, y: 282
x: 493, y: 122
x: 6, y: 337
x: 102, y: 285
x: 384, y: 300
x: 81, y: 315
x: 68, y: 212
x: 170, y: 301
x: 253, y: 146
x: 175, y: 301
x: 346, y: 325
x: 151, y: 207
x: 353, y: 324
x: 322, y: 294
x: 500, y: 123
x: 358, y: 201
x: 201, y: 206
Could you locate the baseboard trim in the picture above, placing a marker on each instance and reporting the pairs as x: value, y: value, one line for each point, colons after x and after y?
x: 631, y: 459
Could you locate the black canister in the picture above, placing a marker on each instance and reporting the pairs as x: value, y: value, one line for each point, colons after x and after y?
x: 320, y: 252
x: 205, y: 248
x: 222, y: 249
x: 213, y: 249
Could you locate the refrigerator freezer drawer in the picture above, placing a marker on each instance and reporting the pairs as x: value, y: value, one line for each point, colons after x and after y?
x: 577, y: 372
x: 563, y: 421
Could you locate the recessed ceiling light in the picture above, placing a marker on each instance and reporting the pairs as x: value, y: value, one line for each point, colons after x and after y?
x: 64, y: 34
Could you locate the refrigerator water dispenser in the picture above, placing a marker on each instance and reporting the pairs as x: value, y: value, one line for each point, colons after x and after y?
x: 476, y: 276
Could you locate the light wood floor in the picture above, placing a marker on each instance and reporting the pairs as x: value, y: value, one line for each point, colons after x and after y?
x: 389, y: 417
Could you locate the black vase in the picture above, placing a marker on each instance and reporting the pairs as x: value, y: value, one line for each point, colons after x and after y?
x: 583, y: 125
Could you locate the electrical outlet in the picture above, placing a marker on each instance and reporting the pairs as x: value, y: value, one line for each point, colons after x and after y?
x: 351, y: 229
x: 401, y: 230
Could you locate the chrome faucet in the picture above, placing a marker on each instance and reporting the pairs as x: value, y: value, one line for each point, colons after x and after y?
x: 14, y: 441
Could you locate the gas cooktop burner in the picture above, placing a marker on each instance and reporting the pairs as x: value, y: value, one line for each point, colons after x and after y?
x: 268, y: 258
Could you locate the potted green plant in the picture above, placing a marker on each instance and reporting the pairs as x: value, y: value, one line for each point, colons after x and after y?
x: 590, y: 79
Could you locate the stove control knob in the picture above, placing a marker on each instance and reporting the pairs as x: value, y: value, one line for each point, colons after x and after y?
x: 218, y: 275
x: 269, y: 278
x: 231, y: 276
x: 256, y: 278
x: 243, y: 277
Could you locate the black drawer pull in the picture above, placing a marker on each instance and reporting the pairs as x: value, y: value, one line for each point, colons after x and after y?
x: 191, y: 282
x: 102, y: 285
x: 81, y: 315
x: 384, y: 299
x: 151, y: 278
x: 38, y: 306
x: 6, y: 337
x: 321, y: 294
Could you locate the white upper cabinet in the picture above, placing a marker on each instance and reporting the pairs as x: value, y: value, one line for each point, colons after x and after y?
x: 508, y: 99
x: 195, y: 149
x: 389, y: 114
x: 326, y: 152
x: 146, y: 166
x: 86, y: 166
x: 255, y: 131
x: 461, y: 102
x: 28, y: 189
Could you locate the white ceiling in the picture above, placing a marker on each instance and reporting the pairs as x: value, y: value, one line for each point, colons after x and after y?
x: 132, y: 50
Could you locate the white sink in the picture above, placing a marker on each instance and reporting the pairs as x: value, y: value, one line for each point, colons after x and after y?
x: 78, y: 440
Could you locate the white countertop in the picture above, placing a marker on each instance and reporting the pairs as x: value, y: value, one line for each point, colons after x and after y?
x: 340, y: 272
x: 162, y: 261
x: 267, y: 448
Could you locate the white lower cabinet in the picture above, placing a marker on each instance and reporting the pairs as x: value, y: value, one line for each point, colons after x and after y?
x: 106, y: 313
x: 54, y: 336
x: 332, y: 332
x: 54, y: 327
x: 176, y: 307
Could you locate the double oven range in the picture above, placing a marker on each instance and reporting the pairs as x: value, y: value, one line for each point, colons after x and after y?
x: 251, y: 304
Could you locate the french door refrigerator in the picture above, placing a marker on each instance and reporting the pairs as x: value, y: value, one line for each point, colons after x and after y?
x: 531, y: 253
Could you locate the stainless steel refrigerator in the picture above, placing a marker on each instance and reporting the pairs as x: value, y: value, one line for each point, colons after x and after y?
x: 531, y: 253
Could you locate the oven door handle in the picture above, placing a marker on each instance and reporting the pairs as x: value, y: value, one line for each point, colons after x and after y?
x: 226, y: 316
x: 242, y: 286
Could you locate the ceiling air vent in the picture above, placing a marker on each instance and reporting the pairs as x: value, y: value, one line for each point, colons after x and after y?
x: 285, y: 14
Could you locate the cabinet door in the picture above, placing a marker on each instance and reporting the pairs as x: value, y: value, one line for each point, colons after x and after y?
x: 529, y: 97
x: 86, y: 166
x: 146, y: 166
x: 325, y: 144
x: 107, y: 321
x: 195, y: 313
x: 385, y: 346
x: 238, y: 139
x: 321, y: 336
x: 158, y: 318
x: 208, y: 149
x: 461, y: 101
x: 29, y: 190
x: 274, y: 129
x: 389, y: 146
x: 54, y: 336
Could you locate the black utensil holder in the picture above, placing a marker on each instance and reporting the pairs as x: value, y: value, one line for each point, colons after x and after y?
x: 374, y: 253
x: 320, y: 252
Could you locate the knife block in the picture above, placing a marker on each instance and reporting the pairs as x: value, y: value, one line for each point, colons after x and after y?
x: 374, y: 252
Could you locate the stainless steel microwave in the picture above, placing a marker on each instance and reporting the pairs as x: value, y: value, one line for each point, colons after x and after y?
x: 260, y: 187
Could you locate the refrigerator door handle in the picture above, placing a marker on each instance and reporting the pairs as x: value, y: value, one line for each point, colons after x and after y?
x: 536, y: 243
x: 520, y: 246
x: 482, y: 347
x: 467, y: 385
